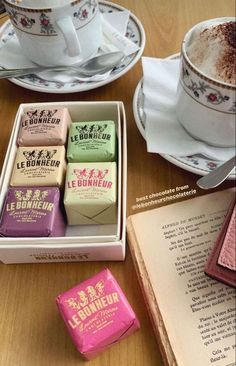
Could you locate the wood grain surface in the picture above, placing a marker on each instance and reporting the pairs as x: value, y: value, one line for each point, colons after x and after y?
x: 31, y: 330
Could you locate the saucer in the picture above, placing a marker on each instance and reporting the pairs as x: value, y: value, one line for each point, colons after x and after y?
x: 197, y: 164
x: 135, y: 32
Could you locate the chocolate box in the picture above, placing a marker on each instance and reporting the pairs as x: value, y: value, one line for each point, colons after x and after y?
x: 83, y: 242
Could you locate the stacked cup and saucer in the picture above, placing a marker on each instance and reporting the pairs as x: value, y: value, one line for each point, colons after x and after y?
x: 185, y: 105
x: 66, y: 32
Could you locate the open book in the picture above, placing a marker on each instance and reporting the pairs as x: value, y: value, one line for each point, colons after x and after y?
x: 193, y: 315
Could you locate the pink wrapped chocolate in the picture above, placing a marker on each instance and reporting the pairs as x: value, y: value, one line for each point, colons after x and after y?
x: 97, y: 314
x: 44, y: 126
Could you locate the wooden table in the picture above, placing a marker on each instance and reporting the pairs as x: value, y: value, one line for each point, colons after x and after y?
x: 31, y: 331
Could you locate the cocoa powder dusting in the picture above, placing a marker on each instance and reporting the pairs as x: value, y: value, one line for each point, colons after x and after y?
x: 229, y: 31
x: 226, y: 65
x: 213, y: 51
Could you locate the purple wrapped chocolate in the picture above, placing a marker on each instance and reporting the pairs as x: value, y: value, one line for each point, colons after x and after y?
x: 97, y: 314
x: 32, y: 212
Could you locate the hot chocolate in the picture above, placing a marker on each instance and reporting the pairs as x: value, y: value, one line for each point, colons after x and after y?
x: 212, y: 49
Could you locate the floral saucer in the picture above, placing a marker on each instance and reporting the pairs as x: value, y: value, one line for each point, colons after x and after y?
x: 197, y: 164
x: 135, y: 33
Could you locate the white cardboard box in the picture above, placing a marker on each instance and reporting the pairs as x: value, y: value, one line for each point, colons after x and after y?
x: 81, y: 243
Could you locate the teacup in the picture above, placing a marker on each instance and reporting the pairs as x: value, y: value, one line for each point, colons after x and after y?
x: 206, y: 106
x: 59, y: 32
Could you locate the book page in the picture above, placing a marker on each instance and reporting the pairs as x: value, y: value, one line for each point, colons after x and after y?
x: 198, y: 312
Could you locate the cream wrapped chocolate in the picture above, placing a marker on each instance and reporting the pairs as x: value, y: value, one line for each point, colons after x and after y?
x: 44, y: 126
x: 90, y: 193
x: 92, y: 141
x: 97, y: 314
x: 39, y: 166
x: 32, y: 212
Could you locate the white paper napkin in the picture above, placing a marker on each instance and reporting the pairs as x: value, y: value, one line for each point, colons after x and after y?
x: 164, y: 134
x: 11, y: 55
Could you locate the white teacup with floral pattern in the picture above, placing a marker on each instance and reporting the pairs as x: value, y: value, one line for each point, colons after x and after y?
x: 61, y: 34
x: 206, y: 107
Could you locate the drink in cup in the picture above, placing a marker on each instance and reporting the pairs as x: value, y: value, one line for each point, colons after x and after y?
x: 206, y: 95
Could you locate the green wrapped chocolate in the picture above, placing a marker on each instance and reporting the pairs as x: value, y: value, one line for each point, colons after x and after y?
x: 91, y: 193
x: 92, y: 141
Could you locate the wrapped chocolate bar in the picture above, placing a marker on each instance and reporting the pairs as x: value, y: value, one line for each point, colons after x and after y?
x: 90, y: 193
x: 32, y: 212
x: 44, y: 126
x: 221, y: 263
x: 39, y: 166
x: 93, y: 141
x: 97, y: 314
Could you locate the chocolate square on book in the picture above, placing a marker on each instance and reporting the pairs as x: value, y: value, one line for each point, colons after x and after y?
x: 92, y: 141
x: 90, y: 193
x: 44, y: 126
x: 32, y: 212
x: 227, y: 257
x: 97, y: 314
x: 39, y: 166
x: 221, y: 263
